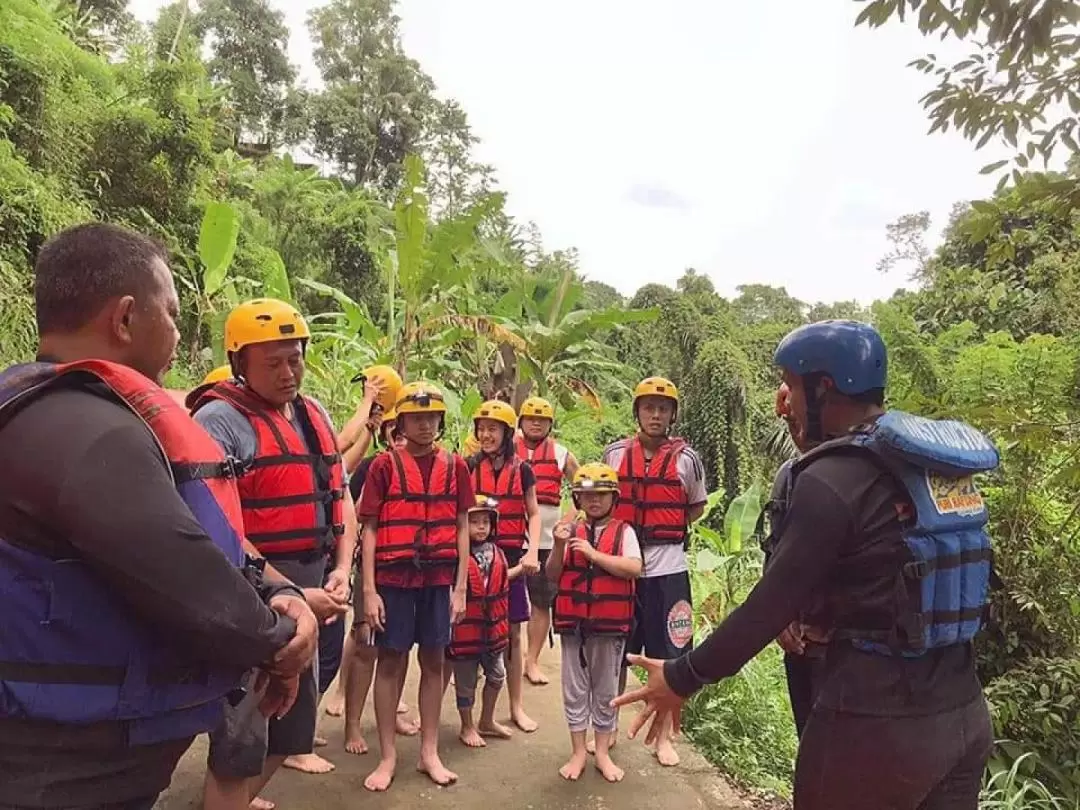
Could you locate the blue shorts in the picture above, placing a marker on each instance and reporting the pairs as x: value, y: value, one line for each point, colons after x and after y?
x: 415, y: 616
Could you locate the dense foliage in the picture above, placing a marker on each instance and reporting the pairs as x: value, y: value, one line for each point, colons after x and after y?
x: 398, y: 246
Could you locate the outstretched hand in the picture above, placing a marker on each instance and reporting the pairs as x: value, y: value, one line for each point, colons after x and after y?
x: 662, y: 706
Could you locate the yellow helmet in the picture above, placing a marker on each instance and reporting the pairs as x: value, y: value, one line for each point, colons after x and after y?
x: 595, y: 477
x: 471, y: 446
x: 656, y: 387
x: 263, y: 320
x: 219, y: 374
x: 538, y: 407
x: 390, y: 379
x: 419, y: 397
x: 497, y: 410
x: 389, y: 415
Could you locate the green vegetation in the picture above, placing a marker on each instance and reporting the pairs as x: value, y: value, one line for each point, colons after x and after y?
x: 399, y: 248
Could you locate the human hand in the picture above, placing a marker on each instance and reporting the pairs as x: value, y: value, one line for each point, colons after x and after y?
x: 373, y: 386
x: 374, y: 611
x: 296, y: 656
x: 791, y: 639
x: 583, y: 546
x: 662, y: 705
x: 530, y: 563
x: 278, y: 693
x: 563, y: 531
x: 457, y: 605
x: 337, y: 585
x: 326, y: 608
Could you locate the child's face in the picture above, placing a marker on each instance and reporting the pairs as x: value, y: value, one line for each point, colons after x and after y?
x: 490, y: 435
x: 596, y: 504
x: 479, y: 526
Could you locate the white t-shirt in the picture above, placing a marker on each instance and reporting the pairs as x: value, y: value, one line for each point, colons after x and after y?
x: 661, y: 560
x: 549, y: 515
x: 631, y: 546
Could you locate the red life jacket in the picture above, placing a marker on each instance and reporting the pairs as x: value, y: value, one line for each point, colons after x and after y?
x: 486, y: 626
x: 287, y: 484
x: 589, y: 599
x: 505, y: 487
x: 549, y: 475
x: 652, y: 498
x: 418, y: 524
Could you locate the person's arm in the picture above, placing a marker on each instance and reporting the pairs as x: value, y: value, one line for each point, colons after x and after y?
x: 121, y: 511
x: 554, y: 566
x: 466, y: 499
x: 692, y: 474
x: 570, y: 467
x: 356, y: 430
x: 626, y: 565
x: 818, y: 526
x: 371, y: 499
x: 337, y: 581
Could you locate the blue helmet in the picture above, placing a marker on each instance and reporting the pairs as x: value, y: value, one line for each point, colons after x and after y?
x: 850, y: 352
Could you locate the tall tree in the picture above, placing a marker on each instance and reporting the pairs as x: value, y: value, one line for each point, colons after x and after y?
x: 907, y: 240
x: 376, y: 100
x: 454, y: 177
x: 248, y: 41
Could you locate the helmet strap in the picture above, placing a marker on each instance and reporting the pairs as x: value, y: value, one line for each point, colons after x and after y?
x: 815, y: 401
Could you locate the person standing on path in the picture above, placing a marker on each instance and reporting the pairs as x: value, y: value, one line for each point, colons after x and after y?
x: 884, y: 544
x: 595, y: 563
x: 552, y: 463
x: 499, y: 474
x: 661, y: 492
x: 297, y: 512
x: 99, y: 697
x: 414, y: 511
x: 479, y: 640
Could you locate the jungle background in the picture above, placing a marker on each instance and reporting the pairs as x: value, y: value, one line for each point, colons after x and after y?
x: 398, y: 246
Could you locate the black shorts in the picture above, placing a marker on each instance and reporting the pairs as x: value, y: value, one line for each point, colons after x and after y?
x: 541, y: 589
x: 663, y: 617
x: 240, y: 744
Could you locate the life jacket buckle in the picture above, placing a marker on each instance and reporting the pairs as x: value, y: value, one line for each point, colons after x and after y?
x: 917, y: 569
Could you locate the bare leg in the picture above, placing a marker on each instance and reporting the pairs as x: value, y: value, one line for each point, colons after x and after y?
x: 431, y: 690
x: 225, y: 794
x: 539, y: 626
x: 488, y: 725
x: 387, y: 694
x: 257, y: 783
x: 357, y: 672
x: 406, y: 726
x: 575, y: 766
x: 339, y: 696
x: 604, y: 764
x: 515, y: 669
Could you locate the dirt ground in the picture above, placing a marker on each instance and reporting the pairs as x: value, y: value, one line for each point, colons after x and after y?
x: 517, y: 773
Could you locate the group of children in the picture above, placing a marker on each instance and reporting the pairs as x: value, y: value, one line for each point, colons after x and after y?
x: 422, y: 509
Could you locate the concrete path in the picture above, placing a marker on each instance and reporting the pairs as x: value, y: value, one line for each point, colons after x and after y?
x: 518, y: 773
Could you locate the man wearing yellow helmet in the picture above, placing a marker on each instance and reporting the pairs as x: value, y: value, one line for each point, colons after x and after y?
x: 414, y: 511
x: 595, y: 562
x: 661, y: 492
x: 296, y: 508
x: 500, y: 474
x: 552, y: 463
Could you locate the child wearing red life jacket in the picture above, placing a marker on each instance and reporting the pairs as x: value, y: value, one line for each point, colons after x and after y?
x: 480, y: 639
x: 595, y: 562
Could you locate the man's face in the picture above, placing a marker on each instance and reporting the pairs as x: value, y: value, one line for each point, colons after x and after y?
x: 490, y: 435
x: 274, y: 370
x: 535, y: 428
x: 419, y: 428
x: 655, y: 415
x: 151, y: 332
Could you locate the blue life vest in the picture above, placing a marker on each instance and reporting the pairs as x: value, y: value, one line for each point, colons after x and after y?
x: 945, y: 571
x: 71, y: 652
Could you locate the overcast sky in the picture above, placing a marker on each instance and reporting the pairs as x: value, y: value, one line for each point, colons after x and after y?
x: 764, y: 141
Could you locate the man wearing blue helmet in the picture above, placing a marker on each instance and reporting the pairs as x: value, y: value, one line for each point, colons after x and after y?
x: 882, y: 545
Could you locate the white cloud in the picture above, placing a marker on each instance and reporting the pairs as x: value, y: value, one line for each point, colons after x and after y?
x: 767, y: 142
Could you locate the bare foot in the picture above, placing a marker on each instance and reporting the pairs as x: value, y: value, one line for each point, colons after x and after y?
x: 666, y: 754
x: 590, y: 744
x: 308, y: 763
x: 380, y: 778
x: 535, y: 676
x: 495, y: 730
x: 436, y: 771
x: 335, y: 707
x: 259, y: 803
x: 573, y: 768
x: 406, y: 726
x: 611, y: 771
x: 355, y: 743
x: 523, y: 721
x: 402, y: 707
x: 471, y: 737
x: 320, y: 741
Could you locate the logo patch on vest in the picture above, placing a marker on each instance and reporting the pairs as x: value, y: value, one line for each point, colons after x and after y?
x: 954, y: 496
x: 680, y: 624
